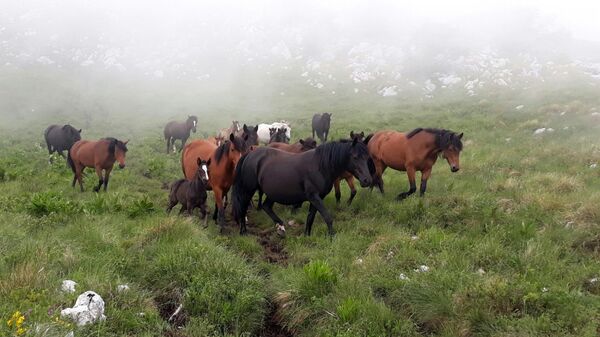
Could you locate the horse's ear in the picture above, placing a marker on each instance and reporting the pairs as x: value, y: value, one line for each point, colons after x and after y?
x: 460, y: 136
x: 362, y: 133
x: 256, y: 128
x: 352, y: 134
x: 245, y: 128
x: 199, y: 161
x: 301, y: 141
x: 231, y: 137
x: 366, y: 141
x: 79, y: 130
x: 125, y: 142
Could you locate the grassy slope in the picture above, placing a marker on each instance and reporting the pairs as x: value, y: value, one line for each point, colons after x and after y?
x: 505, y: 212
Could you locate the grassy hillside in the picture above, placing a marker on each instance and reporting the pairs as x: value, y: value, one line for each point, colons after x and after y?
x: 512, y: 241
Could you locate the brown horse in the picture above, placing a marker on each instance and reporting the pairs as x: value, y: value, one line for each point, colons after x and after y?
x: 218, y: 140
x: 415, y: 151
x: 301, y: 146
x: 100, y: 155
x: 223, y: 160
x: 234, y: 128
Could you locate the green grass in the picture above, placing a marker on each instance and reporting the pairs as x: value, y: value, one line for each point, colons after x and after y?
x: 511, y: 241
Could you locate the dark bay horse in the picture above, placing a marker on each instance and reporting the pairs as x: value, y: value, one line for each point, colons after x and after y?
x: 60, y: 138
x: 415, y: 151
x: 301, y: 146
x: 320, y: 126
x: 291, y: 179
x: 179, y: 130
x: 100, y: 155
x: 223, y: 160
x: 348, y: 176
x: 250, y: 134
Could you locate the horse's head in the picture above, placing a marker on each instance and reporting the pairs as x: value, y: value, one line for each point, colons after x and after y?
x: 119, y: 149
x: 235, y: 126
x: 219, y: 139
x: 250, y: 134
x: 272, y: 131
x: 326, y: 119
x: 72, y: 134
x: 237, y: 147
x: 191, y: 122
x: 202, y: 173
x: 359, y: 164
x: 279, y: 135
x: 451, y: 150
x: 360, y: 136
x: 308, y: 144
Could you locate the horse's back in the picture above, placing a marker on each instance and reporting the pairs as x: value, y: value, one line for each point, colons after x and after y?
x: 389, y: 146
x: 202, y: 149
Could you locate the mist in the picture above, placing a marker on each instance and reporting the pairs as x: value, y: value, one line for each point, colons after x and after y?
x: 80, y: 60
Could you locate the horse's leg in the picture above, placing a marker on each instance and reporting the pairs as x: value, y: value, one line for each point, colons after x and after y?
x: 260, y: 195
x: 183, y: 141
x: 313, y: 133
x: 268, y: 208
x: 378, y: 178
x: 106, y: 176
x: 410, y: 171
x: 100, y: 180
x: 190, y: 208
x: 317, y: 202
x: 424, y: 176
x: 312, y: 211
x: 338, y: 194
x: 220, y: 209
x: 79, y: 173
x: 325, y: 134
x: 215, y: 213
x: 183, y: 208
x: 172, y: 203
x: 168, y: 144
x: 350, y: 182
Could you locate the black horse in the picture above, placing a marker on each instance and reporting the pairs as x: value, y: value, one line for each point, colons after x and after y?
x: 61, y: 138
x: 251, y: 132
x: 291, y: 179
x: 278, y: 135
x: 179, y: 130
x: 320, y: 126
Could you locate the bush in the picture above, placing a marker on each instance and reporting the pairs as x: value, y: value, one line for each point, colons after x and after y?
x: 318, y: 279
x: 44, y: 203
x: 141, y: 207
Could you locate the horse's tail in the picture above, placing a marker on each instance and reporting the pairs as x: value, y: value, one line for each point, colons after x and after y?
x: 241, y: 194
x: 70, y: 161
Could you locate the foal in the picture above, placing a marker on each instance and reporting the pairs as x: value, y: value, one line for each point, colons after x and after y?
x: 191, y: 193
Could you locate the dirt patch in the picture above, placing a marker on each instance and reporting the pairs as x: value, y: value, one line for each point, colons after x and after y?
x: 274, y: 251
x: 167, y: 305
x: 273, y: 327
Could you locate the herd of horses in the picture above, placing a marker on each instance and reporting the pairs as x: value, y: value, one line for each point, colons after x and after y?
x: 284, y: 173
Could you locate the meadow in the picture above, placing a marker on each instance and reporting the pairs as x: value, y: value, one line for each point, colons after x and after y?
x: 511, y: 242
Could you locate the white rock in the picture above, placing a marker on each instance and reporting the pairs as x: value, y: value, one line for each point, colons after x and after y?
x: 507, y: 139
x: 595, y: 113
x: 88, y: 308
x: 594, y: 165
x: 68, y: 286
x: 539, y: 131
x: 519, y: 107
x: 403, y: 277
x: 122, y: 287
x: 422, y: 269
x: 388, y: 91
x: 545, y: 290
x: 70, y: 334
x: 480, y: 271
x: 594, y: 280
x: 563, y: 113
x: 414, y: 237
x: 359, y: 261
x: 549, y: 130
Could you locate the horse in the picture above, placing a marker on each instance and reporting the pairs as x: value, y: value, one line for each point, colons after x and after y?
x: 301, y: 146
x: 218, y: 140
x: 179, y: 130
x: 348, y: 176
x: 234, y: 128
x: 60, y: 138
x: 223, y: 160
x: 290, y: 179
x: 264, y: 135
x: 278, y: 135
x: 191, y: 193
x: 320, y: 126
x: 100, y: 155
x: 417, y: 150
x: 250, y: 135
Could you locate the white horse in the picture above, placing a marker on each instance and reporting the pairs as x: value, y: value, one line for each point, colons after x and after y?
x: 264, y: 135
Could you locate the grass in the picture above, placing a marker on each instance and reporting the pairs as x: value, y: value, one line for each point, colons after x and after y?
x: 512, y: 241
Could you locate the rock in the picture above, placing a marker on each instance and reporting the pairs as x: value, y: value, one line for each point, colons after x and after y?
x: 539, y: 131
x: 545, y: 290
x: 414, y: 237
x: 68, y: 286
x: 403, y: 277
x: 519, y: 107
x: 89, y: 308
x: 593, y: 166
x: 480, y: 271
x: 422, y: 269
x: 122, y: 287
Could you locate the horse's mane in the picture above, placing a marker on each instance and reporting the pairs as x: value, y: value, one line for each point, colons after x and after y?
x: 224, y: 148
x: 334, y: 156
x: 114, y: 143
x: 443, y: 138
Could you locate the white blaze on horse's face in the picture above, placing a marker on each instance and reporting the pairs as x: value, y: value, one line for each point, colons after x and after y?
x: 205, y: 169
x: 194, y: 123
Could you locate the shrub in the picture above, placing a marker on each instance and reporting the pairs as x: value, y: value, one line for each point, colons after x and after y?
x: 44, y: 203
x: 141, y: 207
x: 318, y: 279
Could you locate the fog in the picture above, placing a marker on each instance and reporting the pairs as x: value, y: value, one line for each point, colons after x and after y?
x: 64, y: 58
